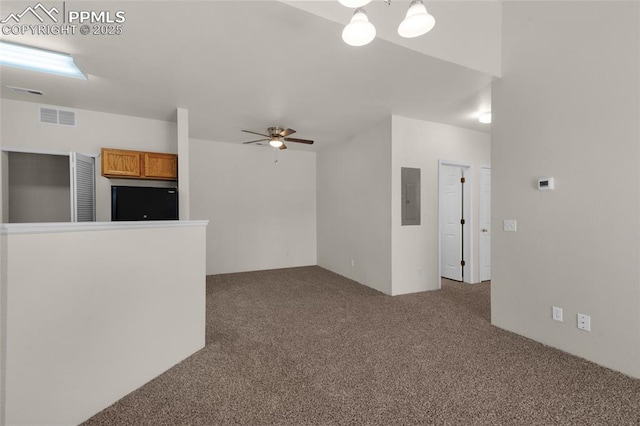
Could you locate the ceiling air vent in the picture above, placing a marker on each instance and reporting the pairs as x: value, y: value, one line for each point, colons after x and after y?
x: 57, y: 116
x: 26, y: 91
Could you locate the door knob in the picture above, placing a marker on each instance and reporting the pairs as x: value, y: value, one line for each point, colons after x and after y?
x: 485, y: 230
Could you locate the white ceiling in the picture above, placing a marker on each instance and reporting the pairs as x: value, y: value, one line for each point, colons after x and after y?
x: 250, y: 65
x: 467, y: 33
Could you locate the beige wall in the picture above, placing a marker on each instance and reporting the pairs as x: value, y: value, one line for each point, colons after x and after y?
x: 82, y: 331
x: 20, y: 129
x: 262, y: 214
x: 421, y: 144
x: 354, y: 207
x: 568, y: 106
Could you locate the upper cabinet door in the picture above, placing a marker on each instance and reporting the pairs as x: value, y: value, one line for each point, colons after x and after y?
x: 120, y: 163
x: 160, y: 166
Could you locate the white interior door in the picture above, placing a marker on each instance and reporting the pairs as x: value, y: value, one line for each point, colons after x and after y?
x: 485, y: 223
x: 82, y: 179
x: 450, y: 226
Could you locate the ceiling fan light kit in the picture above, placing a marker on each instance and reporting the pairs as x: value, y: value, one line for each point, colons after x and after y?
x: 359, y: 31
x: 275, y: 142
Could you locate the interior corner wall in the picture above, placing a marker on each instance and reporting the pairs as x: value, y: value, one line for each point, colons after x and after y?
x: 20, y: 129
x: 568, y: 107
x: 262, y: 213
x: 354, y: 207
x: 421, y: 144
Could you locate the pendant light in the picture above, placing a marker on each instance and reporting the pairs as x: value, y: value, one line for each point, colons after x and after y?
x: 354, y: 4
x: 417, y: 21
x: 359, y: 31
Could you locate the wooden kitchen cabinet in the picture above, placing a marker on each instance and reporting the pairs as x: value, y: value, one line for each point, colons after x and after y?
x: 119, y: 163
x: 160, y: 166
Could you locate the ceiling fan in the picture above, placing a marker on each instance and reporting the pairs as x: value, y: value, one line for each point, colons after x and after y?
x: 276, y: 137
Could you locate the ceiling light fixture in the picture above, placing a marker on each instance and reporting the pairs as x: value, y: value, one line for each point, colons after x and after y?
x: 417, y: 21
x: 354, y: 3
x: 485, y: 117
x: 34, y: 59
x: 359, y: 31
x: 275, y: 142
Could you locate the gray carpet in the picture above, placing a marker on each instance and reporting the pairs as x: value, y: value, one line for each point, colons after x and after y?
x: 304, y: 346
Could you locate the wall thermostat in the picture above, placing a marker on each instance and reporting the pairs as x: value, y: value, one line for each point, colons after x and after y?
x: 546, y: 184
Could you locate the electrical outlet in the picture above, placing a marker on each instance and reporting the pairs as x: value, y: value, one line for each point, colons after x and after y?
x: 510, y: 225
x: 584, y: 322
x: 556, y: 313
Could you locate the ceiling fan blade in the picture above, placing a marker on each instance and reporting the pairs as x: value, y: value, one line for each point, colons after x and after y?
x: 307, y: 141
x: 283, y: 146
x: 255, y: 133
x: 257, y: 140
x: 286, y: 132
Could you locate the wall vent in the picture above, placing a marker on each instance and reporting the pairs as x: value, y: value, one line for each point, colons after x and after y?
x: 57, y: 116
x: 66, y: 118
x: 49, y: 115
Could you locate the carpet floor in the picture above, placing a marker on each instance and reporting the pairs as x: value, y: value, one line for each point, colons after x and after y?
x: 304, y: 346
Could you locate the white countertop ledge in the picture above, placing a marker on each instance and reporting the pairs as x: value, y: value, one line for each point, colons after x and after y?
x: 61, y: 227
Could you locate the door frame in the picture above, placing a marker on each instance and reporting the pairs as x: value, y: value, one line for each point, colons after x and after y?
x: 481, y: 252
x: 467, y: 240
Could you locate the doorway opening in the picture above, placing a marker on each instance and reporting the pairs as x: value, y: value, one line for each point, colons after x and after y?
x: 47, y: 187
x: 455, y: 230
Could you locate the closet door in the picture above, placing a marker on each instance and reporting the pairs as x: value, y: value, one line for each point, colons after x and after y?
x: 83, y: 188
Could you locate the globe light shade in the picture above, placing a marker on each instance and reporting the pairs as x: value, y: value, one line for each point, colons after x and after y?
x: 275, y: 142
x: 354, y: 4
x: 417, y: 21
x: 485, y: 117
x: 359, y: 31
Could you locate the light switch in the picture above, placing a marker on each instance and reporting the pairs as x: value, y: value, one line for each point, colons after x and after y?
x: 510, y: 225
